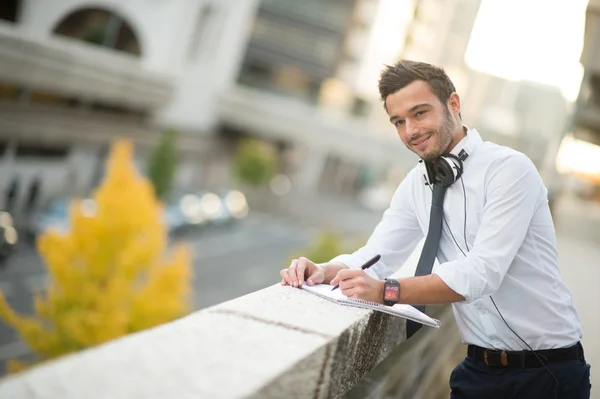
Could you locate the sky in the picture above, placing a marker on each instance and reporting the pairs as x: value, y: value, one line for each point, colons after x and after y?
x: 536, y: 40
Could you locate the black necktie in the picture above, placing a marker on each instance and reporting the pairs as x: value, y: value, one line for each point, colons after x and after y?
x: 430, y: 247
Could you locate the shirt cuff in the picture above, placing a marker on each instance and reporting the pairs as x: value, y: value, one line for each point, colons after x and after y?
x: 452, y: 279
x: 355, y: 263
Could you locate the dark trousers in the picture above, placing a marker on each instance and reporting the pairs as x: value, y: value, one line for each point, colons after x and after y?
x: 473, y: 379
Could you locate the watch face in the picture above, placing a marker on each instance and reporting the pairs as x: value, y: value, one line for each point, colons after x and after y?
x: 391, y: 292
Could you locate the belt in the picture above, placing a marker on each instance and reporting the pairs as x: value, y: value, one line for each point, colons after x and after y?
x: 524, y: 359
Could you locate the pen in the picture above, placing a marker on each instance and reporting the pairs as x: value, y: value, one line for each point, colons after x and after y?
x: 365, y: 266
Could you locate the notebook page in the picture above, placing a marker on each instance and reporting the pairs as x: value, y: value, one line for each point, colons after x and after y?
x: 411, y: 310
x: 325, y: 290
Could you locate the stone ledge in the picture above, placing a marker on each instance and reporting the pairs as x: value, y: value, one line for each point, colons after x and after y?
x: 273, y: 343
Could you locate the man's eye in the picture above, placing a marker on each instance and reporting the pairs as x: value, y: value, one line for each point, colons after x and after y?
x: 421, y: 113
x: 398, y: 123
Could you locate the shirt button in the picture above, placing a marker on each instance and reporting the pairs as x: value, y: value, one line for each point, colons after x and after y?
x: 497, y: 343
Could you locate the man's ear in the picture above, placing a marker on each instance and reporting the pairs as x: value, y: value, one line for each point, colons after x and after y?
x: 454, y: 103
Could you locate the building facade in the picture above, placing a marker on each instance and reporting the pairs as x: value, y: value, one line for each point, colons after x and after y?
x: 586, y: 120
x: 520, y: 114
x: 76, y: 74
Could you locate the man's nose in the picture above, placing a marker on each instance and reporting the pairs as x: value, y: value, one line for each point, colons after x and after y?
x: 411, y: 129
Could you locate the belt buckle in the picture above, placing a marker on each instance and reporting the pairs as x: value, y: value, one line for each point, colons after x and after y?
x: 503, y: 358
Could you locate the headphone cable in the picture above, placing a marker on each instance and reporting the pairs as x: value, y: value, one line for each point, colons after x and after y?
x: 492, y: 299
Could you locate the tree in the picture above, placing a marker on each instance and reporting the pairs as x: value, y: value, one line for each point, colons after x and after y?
x: 111, y: 274
x: 163, y: 163
x: 255, y: 163
x: 327, y: 246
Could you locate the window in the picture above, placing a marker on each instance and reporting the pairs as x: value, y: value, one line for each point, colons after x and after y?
x: 10, y: 10
x: 41, y: 150
x: 9, y: 92
x: 100, y: 27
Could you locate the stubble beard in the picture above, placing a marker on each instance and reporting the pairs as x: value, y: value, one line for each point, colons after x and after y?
x: 444, y: 139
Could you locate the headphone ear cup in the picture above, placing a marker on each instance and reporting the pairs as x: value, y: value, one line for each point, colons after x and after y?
x: 425, y: 172
x: 447, y: 170
x: 456, y: 163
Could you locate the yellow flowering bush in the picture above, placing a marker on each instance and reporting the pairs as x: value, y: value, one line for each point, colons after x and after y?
x: 111, y: 274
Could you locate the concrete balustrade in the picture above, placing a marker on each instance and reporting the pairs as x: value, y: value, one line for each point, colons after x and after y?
x: 66, y: 66
x: 278, y: 342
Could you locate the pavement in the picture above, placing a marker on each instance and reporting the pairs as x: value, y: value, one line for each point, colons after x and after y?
x: 577, y: 226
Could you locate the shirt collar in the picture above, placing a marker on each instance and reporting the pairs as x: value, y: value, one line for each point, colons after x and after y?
x: 468, y: 143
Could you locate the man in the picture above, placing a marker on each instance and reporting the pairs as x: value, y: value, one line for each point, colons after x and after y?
x: 497, y: 254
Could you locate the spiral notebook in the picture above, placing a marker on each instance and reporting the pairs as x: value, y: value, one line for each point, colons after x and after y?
x: 400, y: 310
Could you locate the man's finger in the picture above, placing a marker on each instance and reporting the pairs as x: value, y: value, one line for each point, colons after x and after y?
x: 300, y: 269
x: 285, y: 280
x: 293, y: 278
x: 314, y: 279
x: 341, y: 276
x: 348, y: 287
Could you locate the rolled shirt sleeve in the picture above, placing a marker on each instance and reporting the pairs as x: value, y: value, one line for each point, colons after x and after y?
x: 394, y: 238
x: 514, y: 190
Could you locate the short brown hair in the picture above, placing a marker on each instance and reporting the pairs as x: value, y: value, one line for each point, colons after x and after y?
x: 403, y: 73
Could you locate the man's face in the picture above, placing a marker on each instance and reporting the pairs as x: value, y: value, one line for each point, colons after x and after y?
x: 424, y: 124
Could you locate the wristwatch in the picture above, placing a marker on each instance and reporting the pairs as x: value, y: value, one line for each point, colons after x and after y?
x: 391, y: 292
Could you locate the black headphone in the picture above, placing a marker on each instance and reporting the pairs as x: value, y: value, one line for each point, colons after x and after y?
x: 445, y: 170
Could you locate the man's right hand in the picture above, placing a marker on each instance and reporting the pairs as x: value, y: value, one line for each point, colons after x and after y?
x: 302, y: 269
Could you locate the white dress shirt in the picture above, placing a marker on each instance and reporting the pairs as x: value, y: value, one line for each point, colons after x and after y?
x: 511, y: 255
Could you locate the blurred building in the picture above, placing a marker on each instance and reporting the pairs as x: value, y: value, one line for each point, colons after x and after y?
x: 439, y: 32
x: 75, y: 74
x: 523, y: 115
x: 304, y: 58
x: 586, y: 121
x: 295, y: 46
x: 578, y: 154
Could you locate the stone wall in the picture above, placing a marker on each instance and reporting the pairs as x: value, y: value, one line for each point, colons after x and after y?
x: 278, y: 342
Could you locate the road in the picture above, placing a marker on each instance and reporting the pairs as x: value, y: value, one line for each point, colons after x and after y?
x: 229, y: 261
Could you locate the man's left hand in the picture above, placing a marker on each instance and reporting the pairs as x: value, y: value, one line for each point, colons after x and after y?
x: 358, y: 284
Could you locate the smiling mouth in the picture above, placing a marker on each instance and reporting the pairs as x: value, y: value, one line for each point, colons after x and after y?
x: 421, y: 141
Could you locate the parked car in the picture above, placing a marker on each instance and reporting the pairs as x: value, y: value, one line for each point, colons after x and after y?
x: 201, y: 208
x: 55, y: 215
x: 222, y: 206
x: 235, y: 203
x: 182, y: 212
x: 8, y: 236
x: 176, y: 215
